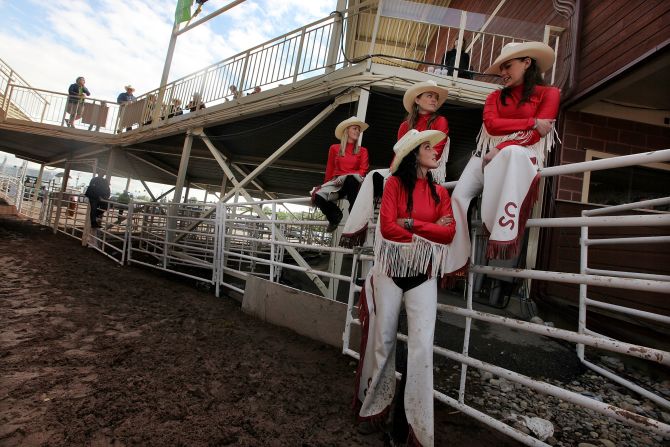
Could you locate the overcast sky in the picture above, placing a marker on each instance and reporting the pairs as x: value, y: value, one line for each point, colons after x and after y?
x: 113, y: 43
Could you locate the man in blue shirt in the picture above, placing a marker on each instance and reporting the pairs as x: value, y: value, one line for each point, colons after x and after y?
x: 126, y: 98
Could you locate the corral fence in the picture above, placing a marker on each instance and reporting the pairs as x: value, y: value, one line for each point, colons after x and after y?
x: 238, y: 239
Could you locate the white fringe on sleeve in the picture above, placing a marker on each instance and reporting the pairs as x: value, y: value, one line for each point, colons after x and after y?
x: 440, y: 173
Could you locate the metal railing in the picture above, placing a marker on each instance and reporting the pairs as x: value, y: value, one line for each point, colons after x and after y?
x: 30, y: 202
x: 62, y: 110
x: 289, y: 57
x: 584, y: 301
x: 32, y: 100
x: 152, y: 237
x: 69, y: 212
x: 420, y: 36
x: 242, y: 238
x: 371, y: 28
x: 257, y: 238
x: 10, y: 189
x: 582, y: 337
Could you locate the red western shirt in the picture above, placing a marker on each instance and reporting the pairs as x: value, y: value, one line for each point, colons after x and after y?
x: 425, y: 212
x: 506, y: 119
x: 440, y: 123
x: 349, y: 163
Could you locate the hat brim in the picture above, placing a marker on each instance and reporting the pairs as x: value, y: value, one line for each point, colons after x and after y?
x: 344, y: 125
x: 542, y: 53
x: 432, y: 136
x: 413, y: 92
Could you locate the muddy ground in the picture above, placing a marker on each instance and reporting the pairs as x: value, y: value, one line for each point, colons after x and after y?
x: 96, y: 354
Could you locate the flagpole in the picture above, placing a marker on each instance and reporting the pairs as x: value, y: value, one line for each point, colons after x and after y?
x: 166, y: 72
x: 221, y: 10
x: 168, y: 59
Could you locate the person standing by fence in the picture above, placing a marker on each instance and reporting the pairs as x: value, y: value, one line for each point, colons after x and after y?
x: 97, y: 191
x: 124, y: 99
x: 415, y: 225
x: 75, y: 101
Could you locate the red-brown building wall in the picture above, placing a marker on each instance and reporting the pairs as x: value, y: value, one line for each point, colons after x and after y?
x: 615, y: 33
x: 560, y: 249
x: 583, y: 131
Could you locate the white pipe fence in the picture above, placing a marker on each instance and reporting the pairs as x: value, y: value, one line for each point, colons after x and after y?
x: 584, y: 301
x: 244, y: 238
x: 583, y: 336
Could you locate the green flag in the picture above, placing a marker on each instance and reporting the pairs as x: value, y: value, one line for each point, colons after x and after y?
x: 183, y: 11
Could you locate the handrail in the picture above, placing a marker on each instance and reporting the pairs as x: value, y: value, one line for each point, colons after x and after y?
x: 87, y: 98
x: 262, y: 45
x: 98, y: 113
x: 13, y: 73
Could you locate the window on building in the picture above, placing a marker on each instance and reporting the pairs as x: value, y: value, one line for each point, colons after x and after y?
x: 626, y: 185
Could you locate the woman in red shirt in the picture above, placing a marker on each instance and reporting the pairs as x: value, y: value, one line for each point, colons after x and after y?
x: 347, y: 165
x: 422, y: 101
x: 415, y: 224
x: 516, y: 134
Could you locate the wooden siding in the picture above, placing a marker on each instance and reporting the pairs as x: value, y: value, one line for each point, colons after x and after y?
x: 616, y: 33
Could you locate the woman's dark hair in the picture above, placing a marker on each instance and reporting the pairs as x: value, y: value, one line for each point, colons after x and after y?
x: 531, y: 77
x: 406, y: 172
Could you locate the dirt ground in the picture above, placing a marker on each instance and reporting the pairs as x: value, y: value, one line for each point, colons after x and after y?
x: 96, y: 354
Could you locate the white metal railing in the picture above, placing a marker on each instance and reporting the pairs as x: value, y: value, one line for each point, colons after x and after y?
x: 584, y: 301
x: 29, y: 201
x: 9, y: 77
x: 289, y: 57
x: 10, y: 189
x: 70, y: 213
x: 255, y: 238
x: 60, y: 109
x: 111, y: 237
x: 407, y: 38
x: 582, y: 337
x: 152, y: 234
x: 233, y: 241
x: 419, y: 35
x: 243, y: 238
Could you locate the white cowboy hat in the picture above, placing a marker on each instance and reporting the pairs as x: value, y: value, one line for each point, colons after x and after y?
x: 129, y: 87
x: 411, y: 140
x: 353, y: 121
x: 423, y: 87
x: 542, y: 53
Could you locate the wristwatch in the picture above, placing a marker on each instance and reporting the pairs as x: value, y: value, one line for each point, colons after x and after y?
x: 409, y: 223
